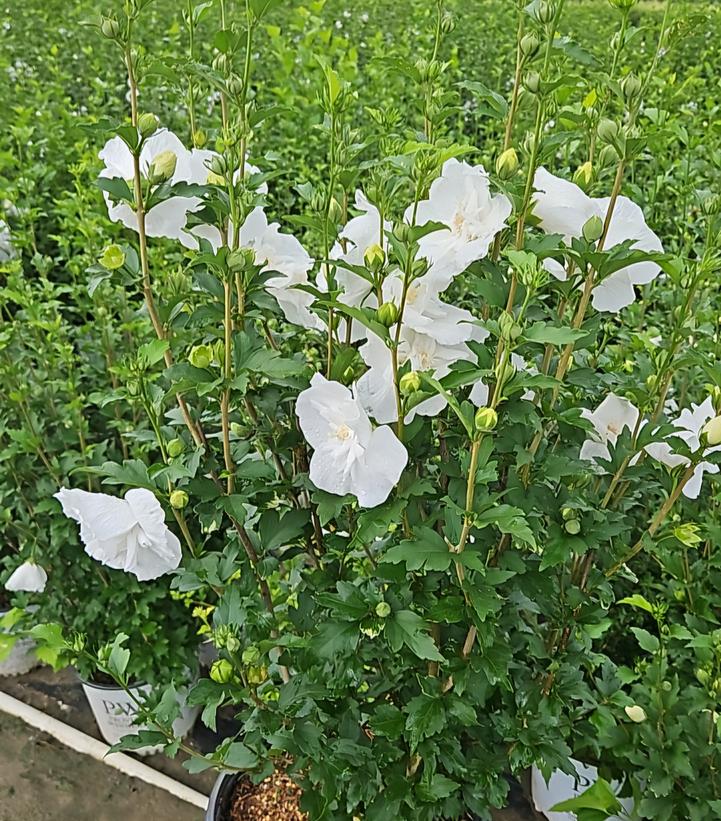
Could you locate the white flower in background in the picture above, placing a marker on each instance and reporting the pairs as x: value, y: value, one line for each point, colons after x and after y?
x: 610, y: 419
x: 127, y: 534
x: 167, y: 218
x: 636, y: 713
x: 350, y: 456
x: 461, y: 199
x: 28, y: 578
x: 7, y: 250
x: 479, y: 394
x: 376, y: 389
x: 199, y: 169
x: 426, y: 313
x: 690, y: 425
x: 563, y: 208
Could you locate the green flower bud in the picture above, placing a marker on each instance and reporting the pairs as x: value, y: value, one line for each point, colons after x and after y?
x: 607, y: 131
x: 374, y: 257
x: 409, y: 383
x: 110, y: 28
x: 162, y: 167
x: 631, y: 87
x: 348, y: 375
x: 200, y: 138
x: 335, y: 211
x: 221, y: 671
x: 623, y: 5
x: 388, y: 314
x: 201, y: 356
x: 402, y: 232
x: 234, y: 85
x: 147, y: 125
x: 688, y: 534
x: 568, y: 513
x: 179, y: 499
x: 584, y: 175
x: 530, y: 45
x: 507, y: 164
x: 113, y: 258
x: 712, y: 431
x: 256, y: 675
x: 251, y: 655
x: 545, y: 11
x: 505, y: 325
x: 572, y: 526
x: 486, y: 419
x: 651, y: 382
x: 448, y: 23
x: 383, y: 610
x: 532, y: 82
x: 593, y: 229
x: 175, y: 447
x: 702, y: 676
x: 607, y: 156
x: 241, y: 259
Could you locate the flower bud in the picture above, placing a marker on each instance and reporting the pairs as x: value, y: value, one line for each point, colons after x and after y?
x: 402, y: 232
x: 179, y: 499
x: 530, y: 45
x: 175, y: 448
x: 200, y: 138
x: 448, y: 23
x: 703, y: 676
x: 234, y: 85
x: 651, y: 382
x: 507, y: 164
x: 113, y: 258
x: 374, y: 257
x: 572, y: 526
x: 383, y: 610
x: 506, y: 324
x: 635, y: 713
x: 584, y: 175
x: 712, y: 431
x: 409, y: 383
x: 623, y: 5
x: 532, y: 82
x: 335, y: 211
x: 486, y: 419
x: 218, y: 165
x: 162, y: 167
x: 251, y: 655
x: 545, y: 11
x: 348, y: 375
x: 147, y: 125
x: 631, y: 87
x: 688, y: 534
x: 607, y: 130
x: 241, y: 259
x: 201, y: 356
x: 593, y: 229
x: 221, y: 671
x: 110, y: 28
x: 256, y: 675
x: 388, y: 314
x: 568, y: 513
x: 607, y: 156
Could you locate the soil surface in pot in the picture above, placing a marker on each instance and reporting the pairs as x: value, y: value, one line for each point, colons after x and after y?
x: 275, y: 798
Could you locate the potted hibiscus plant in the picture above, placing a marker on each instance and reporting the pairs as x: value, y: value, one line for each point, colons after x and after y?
x: 409, y: 474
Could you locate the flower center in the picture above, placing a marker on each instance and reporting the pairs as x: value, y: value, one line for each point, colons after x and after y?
x: 462, y: 225
x: 424, y: 360
x: 343, y: 433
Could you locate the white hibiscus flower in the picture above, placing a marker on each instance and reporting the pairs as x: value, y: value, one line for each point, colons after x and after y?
x: 167, y: 218
x: 563, y: 208
x: 28, y: 578
x: 350, y: 456
x: 690, y: 425
x: 461, y: 199
x: 614, y: 415
x: 127, y: 534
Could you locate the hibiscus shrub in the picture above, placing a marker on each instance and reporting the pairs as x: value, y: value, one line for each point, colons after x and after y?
x: 428, y: 461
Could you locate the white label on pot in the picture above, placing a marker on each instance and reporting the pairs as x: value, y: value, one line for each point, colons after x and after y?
x: 562, y: 787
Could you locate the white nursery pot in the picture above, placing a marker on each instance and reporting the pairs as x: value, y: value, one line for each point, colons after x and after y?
x: 115, y: 712
x: 562, y: 787
x: 22, y: 657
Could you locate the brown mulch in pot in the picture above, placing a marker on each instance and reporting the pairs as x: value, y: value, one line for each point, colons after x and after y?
x: 278, y: 797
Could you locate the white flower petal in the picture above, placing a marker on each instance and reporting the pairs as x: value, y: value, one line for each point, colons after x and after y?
x: 28, y: 578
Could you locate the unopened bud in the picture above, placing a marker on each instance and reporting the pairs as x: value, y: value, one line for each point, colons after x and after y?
x: 532, y: 82
x: 409, y: 383
x: 179, y: 499
x: 631, y: 87
x: 402, y: 232
x: 335, y: 211
x: 448, y: 23
x: 530, y: 45
x: 486, y: 419
x: 635, y: 713
x: 545, y: 11
x: 507, y: 164
x: 110, y: 28
x: 712, y: 431
x: 147, y: 125
x: 175, y: 448
x: 388, y: 314
x: 374, y: 257
x: 222, y: 671
x: 383, y: 610
x: 572, y: 526
x: 593, y: 229
x: 201, y: 356
x: 162, y: 167
x: 623, y: 5
x: 113, y: 258
x: 607, y: 130
x: 251, y: 655
x: 584, y: 175
x: 200, y: 138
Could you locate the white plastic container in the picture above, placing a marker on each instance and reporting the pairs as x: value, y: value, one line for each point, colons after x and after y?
x: 562, y: 787
x: 115, y: 712
x: 22, y: 657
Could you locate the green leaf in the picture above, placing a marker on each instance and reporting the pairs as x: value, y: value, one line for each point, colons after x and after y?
x: 240, y: 757
x: 407, y: 628
x: 548, y: 334
x: 426, y: 717
x: 439, y: 787
x: 280, y: 532
x: 648, y: 642
x: 333, y: 639
x: 594, y: 804
x: 387, y: 721
x: 637, y: 600
x: 427, y: 551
